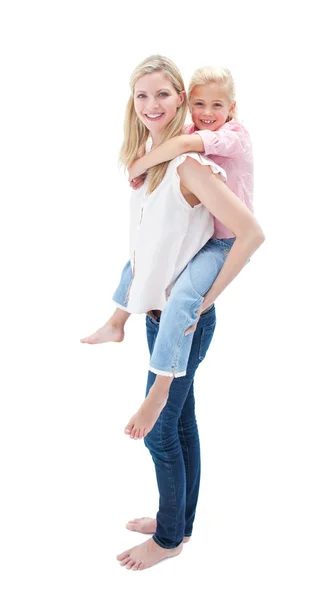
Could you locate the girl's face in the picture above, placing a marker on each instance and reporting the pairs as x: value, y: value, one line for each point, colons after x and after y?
x: 156, y: 101
x: 210, y: 106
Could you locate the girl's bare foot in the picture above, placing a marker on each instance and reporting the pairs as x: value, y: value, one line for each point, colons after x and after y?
x: 107, y: 333
x: 146, y: 555
x: 112, y: 331
x: 146, y: 525
x: 144, y: 420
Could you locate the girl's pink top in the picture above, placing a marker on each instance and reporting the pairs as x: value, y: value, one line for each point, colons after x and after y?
x: 230, y: 147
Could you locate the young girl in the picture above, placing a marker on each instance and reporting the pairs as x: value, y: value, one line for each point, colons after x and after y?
x: 142, y: 289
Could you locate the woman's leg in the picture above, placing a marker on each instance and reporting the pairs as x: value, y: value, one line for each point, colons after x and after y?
x: 174, y: 443
x: 177, y: 463
x: 187, y: 428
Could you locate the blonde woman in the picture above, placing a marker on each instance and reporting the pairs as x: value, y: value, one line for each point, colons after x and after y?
x: 171, y: 219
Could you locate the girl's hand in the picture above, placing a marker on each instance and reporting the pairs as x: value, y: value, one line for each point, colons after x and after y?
x: 134, y: 172
x: 137, y: 182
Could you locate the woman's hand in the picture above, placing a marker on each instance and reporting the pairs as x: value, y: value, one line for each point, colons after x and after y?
x: 193, y: 328
x: 201, y: 309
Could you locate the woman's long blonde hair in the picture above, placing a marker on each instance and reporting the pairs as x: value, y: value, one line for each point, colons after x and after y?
x: 205, y: 75
x: 135, y: 133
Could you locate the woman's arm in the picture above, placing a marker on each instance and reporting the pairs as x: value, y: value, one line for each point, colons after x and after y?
x: 166, y: 151
x: 227, y: 208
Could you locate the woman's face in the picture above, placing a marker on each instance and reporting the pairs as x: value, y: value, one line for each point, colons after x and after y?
x: 210, y: 106
x: 156, y: 101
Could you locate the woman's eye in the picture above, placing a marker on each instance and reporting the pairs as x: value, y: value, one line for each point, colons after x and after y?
x: 164, y: 94
x: 218, y: 105
x: 141, y: 96
x: 199, y: 104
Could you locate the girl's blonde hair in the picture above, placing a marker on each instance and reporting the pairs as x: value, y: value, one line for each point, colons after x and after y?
x: 135, y: 133
x: 205, y: 75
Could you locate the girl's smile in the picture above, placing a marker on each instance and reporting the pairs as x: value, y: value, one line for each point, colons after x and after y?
x: 210, y: 106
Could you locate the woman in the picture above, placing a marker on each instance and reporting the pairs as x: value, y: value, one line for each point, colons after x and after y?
x: 161, y: 246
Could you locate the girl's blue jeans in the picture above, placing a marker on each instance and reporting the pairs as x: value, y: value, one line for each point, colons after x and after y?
x: 174, y: 442
x: 172, y: 348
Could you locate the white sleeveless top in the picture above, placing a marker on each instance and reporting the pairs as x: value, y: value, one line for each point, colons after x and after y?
x: 165, y: 234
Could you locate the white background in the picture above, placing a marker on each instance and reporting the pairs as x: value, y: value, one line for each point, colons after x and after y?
x: 70, y: 478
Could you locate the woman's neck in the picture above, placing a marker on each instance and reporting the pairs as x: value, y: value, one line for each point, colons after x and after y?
x: 156, y: 140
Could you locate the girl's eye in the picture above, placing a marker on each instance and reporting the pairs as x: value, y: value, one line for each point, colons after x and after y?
x: 198, y: 103
x: 217, y: 105
x: 141, y: 96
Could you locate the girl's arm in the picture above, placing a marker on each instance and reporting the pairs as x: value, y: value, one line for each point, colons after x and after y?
x: 229, y: 140
x: 166, y: 151
x: 227, y: 208
x: 138, y: 182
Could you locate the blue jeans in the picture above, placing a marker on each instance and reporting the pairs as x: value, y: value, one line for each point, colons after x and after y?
x: 174, y: 442
x: 172, y: 348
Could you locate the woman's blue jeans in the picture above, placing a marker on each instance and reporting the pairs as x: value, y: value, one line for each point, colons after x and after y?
x: 174, y: 441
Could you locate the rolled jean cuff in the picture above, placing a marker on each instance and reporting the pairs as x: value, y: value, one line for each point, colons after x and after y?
x: 159, y: 543
x: 167, y: 373
x: 120, y: 306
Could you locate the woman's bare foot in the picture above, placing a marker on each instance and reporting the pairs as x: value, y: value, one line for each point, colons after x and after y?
x: 146, y: 525
x: 146, y: 555
x: 112, y: 331
x: 143, y: 525
x: 144, y: 420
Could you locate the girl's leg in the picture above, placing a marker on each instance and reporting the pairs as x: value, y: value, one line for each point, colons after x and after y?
x: 120, y: 296
x: 113, y: 330
x: 172, y: 348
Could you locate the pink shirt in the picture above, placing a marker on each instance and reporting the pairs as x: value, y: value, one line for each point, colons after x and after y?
x: 230, y: 148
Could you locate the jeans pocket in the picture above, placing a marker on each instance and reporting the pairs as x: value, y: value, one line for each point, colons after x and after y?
x: 205, y: 339
x: 225, y: 245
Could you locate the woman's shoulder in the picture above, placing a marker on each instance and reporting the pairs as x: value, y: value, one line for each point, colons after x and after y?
x: 190, y: 162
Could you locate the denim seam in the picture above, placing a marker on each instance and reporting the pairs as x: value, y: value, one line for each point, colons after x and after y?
x: 179, y: 343
x: 202, y: 337
x: 187, y: 471
x: 174, y: 504
x: 177, y: 355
